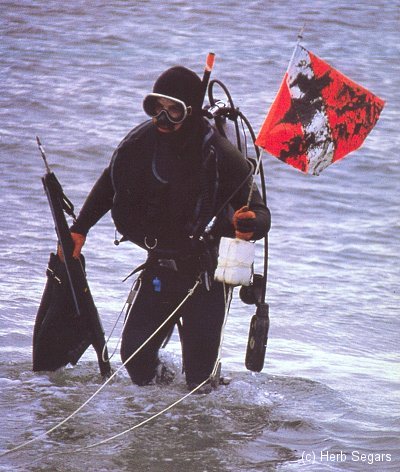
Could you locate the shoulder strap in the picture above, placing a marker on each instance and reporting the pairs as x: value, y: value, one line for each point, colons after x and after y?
x: 209, y: 181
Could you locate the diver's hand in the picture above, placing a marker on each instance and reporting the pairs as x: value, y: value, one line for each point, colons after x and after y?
x: 79, y: 241
x: 245, y: 223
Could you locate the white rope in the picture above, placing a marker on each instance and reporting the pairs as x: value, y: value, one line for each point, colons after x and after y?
x: 256, y: 171
x: 227, y: 298
x: 259, y: 160
x: 129, y: 302
x: 156, y: 415
x: 46, y: 433
x: 104, y: 441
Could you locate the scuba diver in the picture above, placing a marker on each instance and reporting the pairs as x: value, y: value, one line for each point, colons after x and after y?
x: 165, y: 182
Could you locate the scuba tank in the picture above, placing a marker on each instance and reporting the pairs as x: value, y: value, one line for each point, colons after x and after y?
x: 235, y: 261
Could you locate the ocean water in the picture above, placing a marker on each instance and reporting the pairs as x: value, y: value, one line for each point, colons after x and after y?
x: 328, y: 398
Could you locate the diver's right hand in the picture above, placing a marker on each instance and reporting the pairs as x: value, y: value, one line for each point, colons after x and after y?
x: 79, y: 241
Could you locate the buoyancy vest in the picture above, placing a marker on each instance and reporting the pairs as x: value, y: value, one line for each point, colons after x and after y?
x: 151, y: 212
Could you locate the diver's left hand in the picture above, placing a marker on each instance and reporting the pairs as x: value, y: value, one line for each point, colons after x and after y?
x: 245, y: 223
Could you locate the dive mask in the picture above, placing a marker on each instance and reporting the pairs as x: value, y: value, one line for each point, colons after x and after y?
x: 163, y: 107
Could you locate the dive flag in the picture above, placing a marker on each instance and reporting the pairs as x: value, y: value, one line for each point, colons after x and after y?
x: 318, y: 116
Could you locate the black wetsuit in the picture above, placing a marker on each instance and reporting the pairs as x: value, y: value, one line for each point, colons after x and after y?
x: 162, y: 193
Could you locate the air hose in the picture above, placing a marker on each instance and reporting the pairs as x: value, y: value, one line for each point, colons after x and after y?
x: 220, y: 112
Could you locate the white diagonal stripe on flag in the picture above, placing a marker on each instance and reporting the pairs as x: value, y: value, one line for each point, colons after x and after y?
x: 311, y: 111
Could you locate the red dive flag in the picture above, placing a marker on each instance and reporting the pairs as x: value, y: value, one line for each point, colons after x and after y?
x: 318, y: 116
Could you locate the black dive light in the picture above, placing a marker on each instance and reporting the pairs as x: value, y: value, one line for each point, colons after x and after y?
x: 259, y: 324
x: 258, y: 337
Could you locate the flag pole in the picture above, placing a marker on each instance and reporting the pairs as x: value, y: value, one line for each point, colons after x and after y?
x: 300, y: 33
x: 299, y: 39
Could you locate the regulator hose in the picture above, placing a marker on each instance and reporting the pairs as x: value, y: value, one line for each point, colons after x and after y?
x: 220, y: 111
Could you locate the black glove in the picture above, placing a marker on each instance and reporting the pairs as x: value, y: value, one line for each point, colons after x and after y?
x: 245, y: 223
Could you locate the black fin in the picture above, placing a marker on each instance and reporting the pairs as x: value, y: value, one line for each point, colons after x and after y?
x: 60, y: 336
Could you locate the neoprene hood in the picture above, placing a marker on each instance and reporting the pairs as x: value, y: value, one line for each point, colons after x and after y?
x: 182, y: 83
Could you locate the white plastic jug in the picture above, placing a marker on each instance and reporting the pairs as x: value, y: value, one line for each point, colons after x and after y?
x: 235, y: 261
